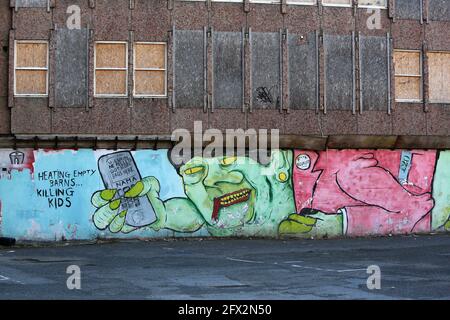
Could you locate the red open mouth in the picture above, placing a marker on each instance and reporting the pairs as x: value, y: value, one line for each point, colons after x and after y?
x: 229, y: 200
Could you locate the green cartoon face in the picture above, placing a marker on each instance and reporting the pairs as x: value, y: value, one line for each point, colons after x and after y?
x: 234, y: 191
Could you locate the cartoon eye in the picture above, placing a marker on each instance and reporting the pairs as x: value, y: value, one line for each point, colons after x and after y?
x: 194, y: 170
x: 228, y: 161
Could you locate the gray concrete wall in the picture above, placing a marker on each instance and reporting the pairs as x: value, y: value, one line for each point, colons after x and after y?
x: 155, y: 20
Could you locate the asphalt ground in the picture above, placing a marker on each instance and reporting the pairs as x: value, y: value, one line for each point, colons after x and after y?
x: 410, y: 267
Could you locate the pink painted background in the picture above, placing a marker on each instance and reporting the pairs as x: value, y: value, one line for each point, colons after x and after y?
x: 366, y: 184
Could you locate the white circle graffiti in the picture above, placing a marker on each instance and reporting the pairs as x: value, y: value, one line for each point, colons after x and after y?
x: 303, y: 162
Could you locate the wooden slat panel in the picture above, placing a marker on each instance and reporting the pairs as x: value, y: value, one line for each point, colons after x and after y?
x: 111, y: 55
x: 407, y: 88
x: 150, y: 56
x: 150, y: 82
x: 31, y: 82
x: 407, y: 63
x: 31, y: 55
x: 111, y: 82
x: 439, y: 79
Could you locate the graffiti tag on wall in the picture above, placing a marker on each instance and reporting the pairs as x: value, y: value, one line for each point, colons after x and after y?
x: 61, y: 186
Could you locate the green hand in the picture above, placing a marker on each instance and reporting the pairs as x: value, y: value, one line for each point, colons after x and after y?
x: 108, y: 214
x: 314, y: 224
x: 296, y: 224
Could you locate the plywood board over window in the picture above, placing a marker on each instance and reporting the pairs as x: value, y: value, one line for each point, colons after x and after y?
x: 150, y: 61
x: 111, y: 69
x: 408, y: 76
x: 31, y: 68
x: 439, y: 77
x: 189, y: 58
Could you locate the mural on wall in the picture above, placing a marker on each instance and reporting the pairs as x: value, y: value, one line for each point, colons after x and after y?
x: 228, y: 196
x: 85, y: 194
x: 306, y: 193
x: 373, y: 192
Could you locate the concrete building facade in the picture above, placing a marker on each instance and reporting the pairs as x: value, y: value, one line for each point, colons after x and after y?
x: 312, y: 69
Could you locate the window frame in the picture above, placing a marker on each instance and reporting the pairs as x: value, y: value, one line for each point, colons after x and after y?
x: 420, y: 100
x: 149, y: 69
x: 46, y: 69
x: 301, y: 3
x: 126, y: 69
x: 266, y: 1
x: 367, y: 6
x: 350, y: 5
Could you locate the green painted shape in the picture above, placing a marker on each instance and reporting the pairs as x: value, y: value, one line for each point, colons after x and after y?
x: 441, y: 193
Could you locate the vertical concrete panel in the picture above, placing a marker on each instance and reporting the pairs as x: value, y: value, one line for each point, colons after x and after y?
x: 150, y: 20
x: 5, y: 21
x: 111, y: 20
x: 5, y: 116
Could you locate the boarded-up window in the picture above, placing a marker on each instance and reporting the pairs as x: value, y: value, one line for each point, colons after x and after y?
x: 111, y: 69
x: 228, y: 69
x: 337, y: 3
x: 150, y: 69
x: 189, y: 60
x: 373, y: 52
x: 303, y: 72
x: 408, y: 76
x: 266, y: 58
x: 408, y: 9
x: 373, y: 3
x: 339, y: 72
x: 31, y: 68
x: 439, y: 10
x: 31, y: 3
x: 439, y: 77
x: 71, y: 68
